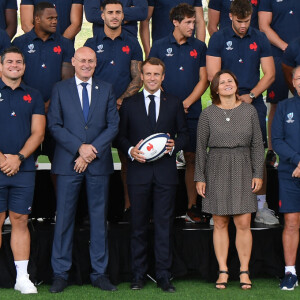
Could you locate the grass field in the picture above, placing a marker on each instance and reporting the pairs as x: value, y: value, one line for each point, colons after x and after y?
x: 189, y: 289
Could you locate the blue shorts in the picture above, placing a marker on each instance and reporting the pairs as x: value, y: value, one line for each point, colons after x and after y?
x: 192, y: 124
x: 261, y: 109
x: 289, y: 195
x: 278, y: 90
x: 16, y: 192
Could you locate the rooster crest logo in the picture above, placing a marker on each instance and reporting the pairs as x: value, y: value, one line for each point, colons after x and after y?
x: 149, y: 147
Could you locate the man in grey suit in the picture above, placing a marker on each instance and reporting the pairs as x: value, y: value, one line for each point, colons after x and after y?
x: 83, y: 120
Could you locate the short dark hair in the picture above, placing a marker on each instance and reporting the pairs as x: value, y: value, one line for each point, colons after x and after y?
x: 12, y: 49
x: 40, y: 7
x: 155, y: 62
x: 214, y: 86
x: 105, y: 2
x: 181, y: 11
x: 241, y: 8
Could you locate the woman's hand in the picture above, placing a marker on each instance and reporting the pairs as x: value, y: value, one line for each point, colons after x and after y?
x: 201, y: 186
x: 256, y: 184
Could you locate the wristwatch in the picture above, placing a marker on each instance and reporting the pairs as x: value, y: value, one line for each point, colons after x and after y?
x: 21, y: 157
x: 251, y: 95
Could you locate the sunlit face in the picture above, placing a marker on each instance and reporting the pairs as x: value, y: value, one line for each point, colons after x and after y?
x: 13, y: 66
x: 113, y: 16
x: 47, y: 21
x: 185, y: 27
x: 296, y: 80
x: 227, y: 85
x: 240, y: 26
x: 152, y: 77
x: 84, y: 62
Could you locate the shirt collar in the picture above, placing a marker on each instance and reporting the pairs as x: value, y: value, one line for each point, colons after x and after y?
x: 79, y: 81
x: 232, y: 32
x: 101, y: 35
x: 156, y: 94
x: 172, y: 39
x: 33, y: 35
x: 21, y: 86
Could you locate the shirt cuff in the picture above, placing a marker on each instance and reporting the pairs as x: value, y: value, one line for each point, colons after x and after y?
x: 171, y: 152
x: 129, y: 150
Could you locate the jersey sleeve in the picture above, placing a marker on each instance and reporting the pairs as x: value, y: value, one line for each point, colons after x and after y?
x: 214, y: 45
x: 215, y: 4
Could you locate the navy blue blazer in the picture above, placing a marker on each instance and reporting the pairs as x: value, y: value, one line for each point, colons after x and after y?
x: 134, y: 126
x: 67, y: 126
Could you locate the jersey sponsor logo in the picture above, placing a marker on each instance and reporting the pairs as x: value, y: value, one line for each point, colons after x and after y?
x: 1, y: 99
x: 57, y: 50
x: 169, y: 52
x: 279, y: 0
x: 31, y: 48
x: 229, y: 45
x: 290, y: 117
x: 253, y: 46
x: 254, y: 2
x: 194, y: 53
x: 126, y: 49
x: 100, y: 48
x: 27, y: 98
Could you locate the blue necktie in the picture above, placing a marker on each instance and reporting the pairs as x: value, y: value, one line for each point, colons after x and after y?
x: 85, y: 101
x: 151, y: 111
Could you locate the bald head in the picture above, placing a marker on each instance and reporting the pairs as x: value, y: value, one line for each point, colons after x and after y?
x: 84, y: 62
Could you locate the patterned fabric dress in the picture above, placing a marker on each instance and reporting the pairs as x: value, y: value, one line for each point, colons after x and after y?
x: 234, y: 157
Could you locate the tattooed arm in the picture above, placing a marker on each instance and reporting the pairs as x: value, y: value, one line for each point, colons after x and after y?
x: 135, y: 84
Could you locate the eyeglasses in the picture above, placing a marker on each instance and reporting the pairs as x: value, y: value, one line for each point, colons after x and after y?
x: 84, y: 61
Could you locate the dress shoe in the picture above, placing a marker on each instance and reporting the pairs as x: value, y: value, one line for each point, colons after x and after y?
x: 103, y: 283
x: 166, y: 285
x: 58, y: 285
x: 137, y: 284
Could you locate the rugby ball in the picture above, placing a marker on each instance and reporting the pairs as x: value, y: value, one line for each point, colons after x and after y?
x: 154, y: 146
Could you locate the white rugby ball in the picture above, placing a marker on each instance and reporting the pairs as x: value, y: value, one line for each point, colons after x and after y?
x: 154, y: 146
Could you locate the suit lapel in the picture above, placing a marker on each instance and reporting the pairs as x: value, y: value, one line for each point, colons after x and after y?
x: 95, y: 94
x: 142, y: 108
x: 162, y: 109
x: 76, y: 100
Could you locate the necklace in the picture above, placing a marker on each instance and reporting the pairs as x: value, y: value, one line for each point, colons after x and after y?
x: 228, y: 116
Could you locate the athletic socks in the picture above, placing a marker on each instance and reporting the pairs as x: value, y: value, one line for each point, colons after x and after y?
x: 21, y: 267
x: 261, y: 200
x: 290, y: 269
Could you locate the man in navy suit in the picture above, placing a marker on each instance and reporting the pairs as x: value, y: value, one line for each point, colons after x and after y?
x: 158, y: 178
x: 83, y: 120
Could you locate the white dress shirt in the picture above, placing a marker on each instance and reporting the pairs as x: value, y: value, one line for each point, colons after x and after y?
x: 156, y: 99
x: 80, y: 88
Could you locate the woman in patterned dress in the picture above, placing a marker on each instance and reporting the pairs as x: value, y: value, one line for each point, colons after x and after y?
x: 230, y: 173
